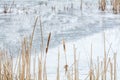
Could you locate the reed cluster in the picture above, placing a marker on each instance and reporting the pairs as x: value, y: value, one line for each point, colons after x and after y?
x: 7, y: 8
x: 115, y: 4
x: 104, y: 69
x: 102, y: 5
x: 21, y: 68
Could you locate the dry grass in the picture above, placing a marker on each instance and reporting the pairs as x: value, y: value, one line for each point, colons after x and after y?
x: 22, y: 68
x: 102, y: 4
x: 7, y: 8
x: 115, y: 4
x: 58, y: 67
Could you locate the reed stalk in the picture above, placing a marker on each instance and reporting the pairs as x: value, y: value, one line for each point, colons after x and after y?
x: 115, y: 67
x: 98, y: 69
x: 58, y: 66
x: 103, y: 5
x: 91, y: 65
x: 44, y: 68
x: 75, y: 63
x: 111, y: 70
x: 40, y: 71
x: 105, y: 58
x: 42, y: 39
x: 66, y: 65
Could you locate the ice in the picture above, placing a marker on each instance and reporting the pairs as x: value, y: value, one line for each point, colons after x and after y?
x: 81, y: 28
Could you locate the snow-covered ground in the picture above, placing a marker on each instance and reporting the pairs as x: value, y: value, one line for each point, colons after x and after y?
x: 83, y: 52
x: 83, y: 47
x: 81, y: 28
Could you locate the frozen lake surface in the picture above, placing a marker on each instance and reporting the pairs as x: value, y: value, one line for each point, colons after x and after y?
x: 70, y: 25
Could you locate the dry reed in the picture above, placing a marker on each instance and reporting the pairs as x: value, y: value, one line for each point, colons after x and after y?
x: 58, y: 66
x: 22, y: 68
x: 102, y: 5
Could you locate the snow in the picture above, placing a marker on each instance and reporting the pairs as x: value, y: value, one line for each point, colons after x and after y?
x: 83, y: 47
x: 77, y: 28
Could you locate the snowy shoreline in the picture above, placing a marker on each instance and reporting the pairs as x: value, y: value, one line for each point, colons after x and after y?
x: 83, y: 47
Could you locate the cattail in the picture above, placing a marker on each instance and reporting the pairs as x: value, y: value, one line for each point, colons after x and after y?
x: 64, y: 47
x: 48, y: 42
x: 5, y: 8
x: 66, y: 65
x: 103, y: 5
x: 44, y: 67
x: 115, y: 6
x: 66, y: 68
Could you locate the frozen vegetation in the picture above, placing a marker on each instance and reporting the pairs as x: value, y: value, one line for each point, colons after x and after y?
x: 77, y: 24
